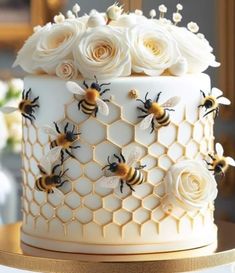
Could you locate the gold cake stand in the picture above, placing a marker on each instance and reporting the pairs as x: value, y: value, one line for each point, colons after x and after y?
x: 17, y: 255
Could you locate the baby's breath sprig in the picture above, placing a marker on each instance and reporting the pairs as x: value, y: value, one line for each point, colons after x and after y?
x: 193, y: 27
x: 76, y: 9
x: 163, y: 10
x: 152, y: 13
x: 177, y: 17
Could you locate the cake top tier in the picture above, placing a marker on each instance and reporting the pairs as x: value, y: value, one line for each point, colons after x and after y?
x: 114, y: 44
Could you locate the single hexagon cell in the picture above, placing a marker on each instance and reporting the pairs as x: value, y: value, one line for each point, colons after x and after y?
x: 42, y: 137
x: 32, y: 135
x: 47, y: 211
x: 156, y: 175
x: 156, y: 149
x: 198, y: 132
x: 114, y: 114
x: 151, y: 202
x: 112, y: 203
x: 185, y: 133
x: 93, y: 125
x: 126, y: 151
x: 74, y: 169
x: 83, y: 154
x: 131, y: 203
x: 93, y: 202
x: 83, y: 186
x: 141, y: 216
x: 93, y: 171
x: 121, y: 133
x: 145, y: 137
x: 64, y: 213
x: 165, y: 162
x: 34, y: 167
x: 143, y: 190
x: 28, y: 150
x: 103, y: 217
x: 176, y: 151
x: 149, y: 162
x: 160, y: 190
x: 192, y: 149
x: 73, y: 200
x: 84, y: 215
x: 25, y: 133
x: 31, y: 180
x: 56, y: 198
x: 34, y: 209
x: 167, y: 135
x: 25, y: 163
x: 37, y: 151
x: 105, y: 150
x: 122, y: 217
x: 102, y: 191
x: 39, y: 197
x: 29, y: 194
x: 74, y: 114
x: 192, y: 113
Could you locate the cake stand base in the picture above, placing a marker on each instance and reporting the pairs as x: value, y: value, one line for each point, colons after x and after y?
x: 15, y: 254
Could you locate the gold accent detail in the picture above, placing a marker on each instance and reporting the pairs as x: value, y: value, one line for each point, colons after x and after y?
x: 21, y: 256
x: 133, y: 94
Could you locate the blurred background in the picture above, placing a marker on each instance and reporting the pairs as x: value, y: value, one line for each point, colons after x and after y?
x: 216, y: 19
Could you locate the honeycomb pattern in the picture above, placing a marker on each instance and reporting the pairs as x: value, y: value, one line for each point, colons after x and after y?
x: 81, y: 201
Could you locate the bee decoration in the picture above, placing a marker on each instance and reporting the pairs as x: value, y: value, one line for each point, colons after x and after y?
x: 155, y: 112
x: 122, y: 171
x: 212, y: 101
x: 64, y: 141
x: 48, y: 179
x: 220, y: 164
x: 92, y: 101
x: 26, y: 106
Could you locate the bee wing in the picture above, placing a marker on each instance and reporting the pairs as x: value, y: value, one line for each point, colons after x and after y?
x: 45, y: 163
x: 219, y: 149
x: 134, y: 156
x: 54, y: 153
x: 110, y: 182
x: 49, y: 130
x: 103, y: 107
x: 224, y: 101
x: 146, y: 122
x: 74, y: 88
x: 230, y: 161
x: 216, y: 92
x: 172, y: 102
x: 8, y: 109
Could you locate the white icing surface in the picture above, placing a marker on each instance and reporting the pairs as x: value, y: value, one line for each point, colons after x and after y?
x: 81, y: 214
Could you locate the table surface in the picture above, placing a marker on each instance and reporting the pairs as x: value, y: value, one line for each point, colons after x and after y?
x: 15, y: 254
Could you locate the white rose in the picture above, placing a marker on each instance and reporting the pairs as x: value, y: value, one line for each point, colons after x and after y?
x: 190, y: 185
x: 56, y: 44
x: 153, y: 50
x: 66, y: 70
x: 103, y: 53
x: 197, y: 51
x: 24, y: 57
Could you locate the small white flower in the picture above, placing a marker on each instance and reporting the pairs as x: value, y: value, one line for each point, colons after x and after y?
x: 59, y: 18
x: 95, y: 20
x: 37, y: 28
x: 104, y: 53
x: 76, y: 9
x: 162, y: 8
x: 190, y: 185
x: 177, y: 17
x: 66, y: 70
x: 70, y: 15
x: 179, y: 7
x: 193, y: 27
x: 114, y: 12
x: 138, y: 12
x: 153, y: 13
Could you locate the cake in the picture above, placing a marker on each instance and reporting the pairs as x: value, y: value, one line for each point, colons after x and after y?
x: 118, y: 146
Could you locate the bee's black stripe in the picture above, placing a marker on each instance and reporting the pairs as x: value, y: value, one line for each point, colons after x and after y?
x: 164, y: 120
x: 87, y: 107
x: 134, y: 179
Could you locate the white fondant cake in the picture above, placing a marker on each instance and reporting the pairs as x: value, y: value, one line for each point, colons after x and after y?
x: 118, y: 144
x: 81, y: 216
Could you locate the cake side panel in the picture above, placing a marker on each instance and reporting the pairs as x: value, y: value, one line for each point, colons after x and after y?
x: 82, y: 212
